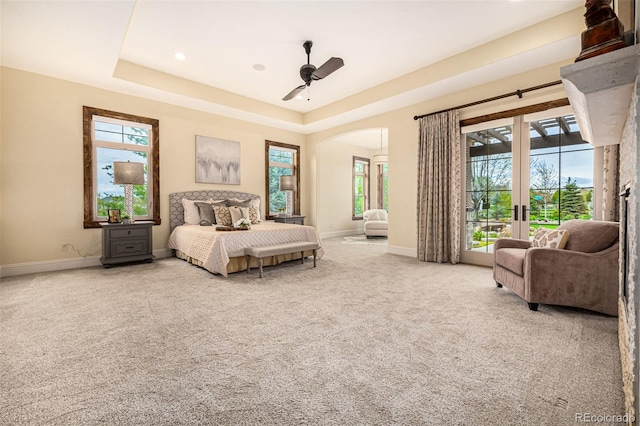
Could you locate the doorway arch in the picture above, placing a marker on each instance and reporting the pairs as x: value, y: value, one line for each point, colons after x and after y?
x: 333, y: 178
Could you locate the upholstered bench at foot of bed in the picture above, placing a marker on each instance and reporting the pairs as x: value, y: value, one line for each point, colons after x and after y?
x: 266, y: 251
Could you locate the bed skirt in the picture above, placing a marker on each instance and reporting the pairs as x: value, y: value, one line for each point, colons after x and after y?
x: 237, y: 264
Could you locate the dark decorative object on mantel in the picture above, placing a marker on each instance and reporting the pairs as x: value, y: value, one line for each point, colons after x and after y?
x: 604, y: 33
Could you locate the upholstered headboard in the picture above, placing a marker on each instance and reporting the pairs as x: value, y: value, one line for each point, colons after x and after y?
x: 176, y: 211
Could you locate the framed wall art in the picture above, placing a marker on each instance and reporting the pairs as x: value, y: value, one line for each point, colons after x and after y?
x: 217, y: 161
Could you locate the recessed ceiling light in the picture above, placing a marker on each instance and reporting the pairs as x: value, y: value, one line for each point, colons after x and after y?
x: 180, y: 56
x: 259, y: 67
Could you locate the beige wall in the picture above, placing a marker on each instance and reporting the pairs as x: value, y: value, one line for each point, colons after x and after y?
x: 334, y: 177
x: 41, y: 164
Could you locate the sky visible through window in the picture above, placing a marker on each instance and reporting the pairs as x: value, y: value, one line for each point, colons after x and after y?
x: 106, y: 157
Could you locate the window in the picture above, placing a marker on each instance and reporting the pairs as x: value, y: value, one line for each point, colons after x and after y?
x: 360, y: 187
x: 383, y: 186
x: 281, y: 159
x: 112, y: 136
x: 524, y: 173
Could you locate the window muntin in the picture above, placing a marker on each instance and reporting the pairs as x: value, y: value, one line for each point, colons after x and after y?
x: 360, y: 186
x: 118, y: 131
x: 111, y: 136
x: 281, y: 159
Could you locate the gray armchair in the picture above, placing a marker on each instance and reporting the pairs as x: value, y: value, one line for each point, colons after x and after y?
x: 584, y: 274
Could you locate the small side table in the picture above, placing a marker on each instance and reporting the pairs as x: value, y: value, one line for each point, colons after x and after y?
x: 126, y: 243
x: 297, y: 220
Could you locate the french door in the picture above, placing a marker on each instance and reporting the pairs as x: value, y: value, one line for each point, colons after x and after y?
x: 523, y: 173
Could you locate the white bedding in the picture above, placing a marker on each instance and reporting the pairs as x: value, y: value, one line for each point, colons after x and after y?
x: 215, y: 248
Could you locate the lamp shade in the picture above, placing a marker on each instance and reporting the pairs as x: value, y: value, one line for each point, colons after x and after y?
x: 288, y: 183
x: 380, y: 159
x: 126, y: 172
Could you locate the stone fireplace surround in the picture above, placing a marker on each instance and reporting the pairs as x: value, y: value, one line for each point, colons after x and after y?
x: 604, y: 91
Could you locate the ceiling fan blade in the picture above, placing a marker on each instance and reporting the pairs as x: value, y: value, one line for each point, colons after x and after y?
x: 294, y: 92
x: 327, y: 68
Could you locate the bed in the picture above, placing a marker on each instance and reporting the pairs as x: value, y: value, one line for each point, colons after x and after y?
x: 222, y: 252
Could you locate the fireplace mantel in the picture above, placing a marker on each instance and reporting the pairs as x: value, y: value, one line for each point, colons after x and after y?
x: 600, y: 90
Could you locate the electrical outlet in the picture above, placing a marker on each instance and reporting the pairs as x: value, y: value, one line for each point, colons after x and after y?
x: 64, y: 247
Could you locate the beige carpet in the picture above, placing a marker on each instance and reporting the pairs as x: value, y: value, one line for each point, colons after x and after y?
x: 362, y: 239
x: 366, y: 338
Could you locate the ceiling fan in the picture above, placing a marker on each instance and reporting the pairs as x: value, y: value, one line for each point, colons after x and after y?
x: 309, y: 72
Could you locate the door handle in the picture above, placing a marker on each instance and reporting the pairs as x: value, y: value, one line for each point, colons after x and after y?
x: 515, y: 213
x: 524, y: 212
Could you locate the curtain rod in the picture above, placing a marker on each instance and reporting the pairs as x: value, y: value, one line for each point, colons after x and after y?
x: 495, y: 98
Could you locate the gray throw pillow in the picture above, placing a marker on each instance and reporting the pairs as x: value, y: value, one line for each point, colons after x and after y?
x: 238, y: 203
x: 206, y: 212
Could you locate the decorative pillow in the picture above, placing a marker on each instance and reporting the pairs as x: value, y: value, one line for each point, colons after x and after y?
x: 550, y: 238
x: 254, y: 214
x: 223, y: 216
x: 206, y: 212
x: 217, y: 202
x: 256, y: 204
x: 238, y: 213
x: 236, y: 202
x: 191, y: 212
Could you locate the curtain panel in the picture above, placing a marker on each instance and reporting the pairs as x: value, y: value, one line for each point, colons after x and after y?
x: 439, y: 188
x: 611, y: 184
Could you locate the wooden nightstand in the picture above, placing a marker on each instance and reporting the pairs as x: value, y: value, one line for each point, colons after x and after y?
x: 298, y: 220
x: 126, y: 243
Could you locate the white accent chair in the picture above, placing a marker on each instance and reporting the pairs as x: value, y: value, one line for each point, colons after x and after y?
x: 375, y: 223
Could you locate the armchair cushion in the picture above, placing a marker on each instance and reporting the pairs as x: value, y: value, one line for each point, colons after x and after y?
x: 511, y: 259
x: 589, y: 236
x: 375, y: 214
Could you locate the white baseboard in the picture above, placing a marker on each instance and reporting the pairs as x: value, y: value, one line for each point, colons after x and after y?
x: 62, y: 264
x: 341, y: 233
x: 402, y: 251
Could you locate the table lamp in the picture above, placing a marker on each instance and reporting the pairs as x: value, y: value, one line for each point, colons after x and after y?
x: 128, y: 174
x: 288, y: 184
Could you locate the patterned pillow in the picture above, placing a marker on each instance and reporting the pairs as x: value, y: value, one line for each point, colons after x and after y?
x: 223, y: 216
x: 254, y: 214
x: 550, y: 238
x: 255, y: 203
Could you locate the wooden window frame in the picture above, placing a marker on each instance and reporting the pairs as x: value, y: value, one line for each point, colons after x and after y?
x: 296, y: 171
x: 88, y: 162
x: 367, y: 184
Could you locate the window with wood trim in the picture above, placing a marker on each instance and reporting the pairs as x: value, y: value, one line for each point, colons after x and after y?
x: 360, y: 186
x: 280, y: 159
x: 383, y: 186
x: 110, y: 136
